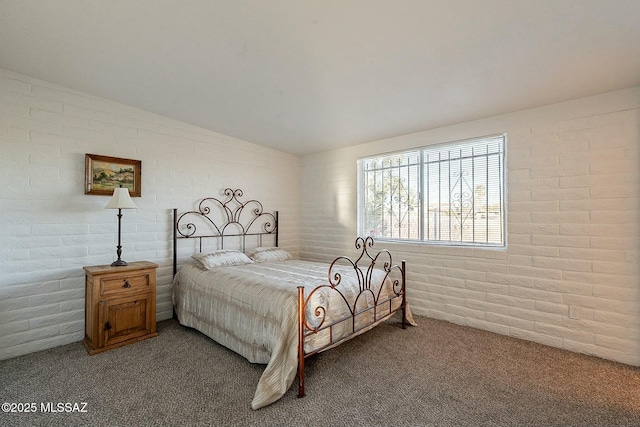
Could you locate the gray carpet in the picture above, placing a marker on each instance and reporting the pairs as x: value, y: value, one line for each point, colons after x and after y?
x: 436, y: 374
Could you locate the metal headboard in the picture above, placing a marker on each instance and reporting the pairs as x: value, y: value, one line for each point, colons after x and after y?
x: 233, y: 218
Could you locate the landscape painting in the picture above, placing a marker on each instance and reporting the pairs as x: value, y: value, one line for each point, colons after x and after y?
x: 103, y: 174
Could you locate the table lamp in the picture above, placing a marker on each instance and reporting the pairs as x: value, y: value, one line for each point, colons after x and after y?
x: 120, y: 200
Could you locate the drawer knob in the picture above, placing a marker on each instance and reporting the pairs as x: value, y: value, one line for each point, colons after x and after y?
x: 126, y: 284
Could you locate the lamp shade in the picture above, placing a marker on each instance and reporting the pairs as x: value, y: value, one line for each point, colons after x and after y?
x: 120, y: 200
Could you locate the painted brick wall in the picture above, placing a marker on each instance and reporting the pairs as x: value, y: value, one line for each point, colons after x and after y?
x: 49, y: 229
x: 572, y: 230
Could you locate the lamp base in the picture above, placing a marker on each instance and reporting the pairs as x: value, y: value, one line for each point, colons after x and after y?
x: 119, y: 263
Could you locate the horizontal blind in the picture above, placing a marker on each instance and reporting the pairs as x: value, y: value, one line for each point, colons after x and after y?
x: 446, y: 193
x: 391, y: 196
x: 464, y: 197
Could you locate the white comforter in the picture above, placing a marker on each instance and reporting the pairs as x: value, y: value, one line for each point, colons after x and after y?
x: 251, y: 309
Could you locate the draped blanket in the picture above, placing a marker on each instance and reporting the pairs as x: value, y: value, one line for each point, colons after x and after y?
x: 252, y: 310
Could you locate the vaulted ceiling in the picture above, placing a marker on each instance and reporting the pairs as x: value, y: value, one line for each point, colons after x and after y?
x: 305, y: 76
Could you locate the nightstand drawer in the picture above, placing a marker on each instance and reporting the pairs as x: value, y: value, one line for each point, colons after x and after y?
x: 124, y: 285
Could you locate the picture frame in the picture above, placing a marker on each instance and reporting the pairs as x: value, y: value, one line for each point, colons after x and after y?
x: 103, y: 174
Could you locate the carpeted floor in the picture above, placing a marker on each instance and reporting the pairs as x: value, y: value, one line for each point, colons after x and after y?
x: 436, y: 374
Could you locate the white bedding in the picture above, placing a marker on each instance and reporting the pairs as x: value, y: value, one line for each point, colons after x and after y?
x: 251, y: 309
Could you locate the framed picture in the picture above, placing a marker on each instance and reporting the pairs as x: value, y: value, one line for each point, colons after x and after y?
x: 103, y: 174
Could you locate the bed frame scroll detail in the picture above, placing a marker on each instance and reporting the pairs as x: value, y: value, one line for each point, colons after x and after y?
x: 232, y: 218
x: 382, y: 308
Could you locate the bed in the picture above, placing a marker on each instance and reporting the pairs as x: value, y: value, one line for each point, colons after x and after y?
x: 245, y: 292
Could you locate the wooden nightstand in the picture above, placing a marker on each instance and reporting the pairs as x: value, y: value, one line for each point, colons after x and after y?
x: 120, y: 305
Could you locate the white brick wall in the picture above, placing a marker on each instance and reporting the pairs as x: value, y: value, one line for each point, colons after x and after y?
x: 49, y: 229
x: 573, y: 231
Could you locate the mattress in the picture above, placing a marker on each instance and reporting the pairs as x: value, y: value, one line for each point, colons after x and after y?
x: 252, y: 310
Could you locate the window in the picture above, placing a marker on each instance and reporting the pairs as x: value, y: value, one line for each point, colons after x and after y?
x: 449, y: 193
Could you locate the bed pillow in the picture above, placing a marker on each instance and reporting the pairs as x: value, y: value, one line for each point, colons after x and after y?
x: 269, y: 254
x: 221, y: 258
